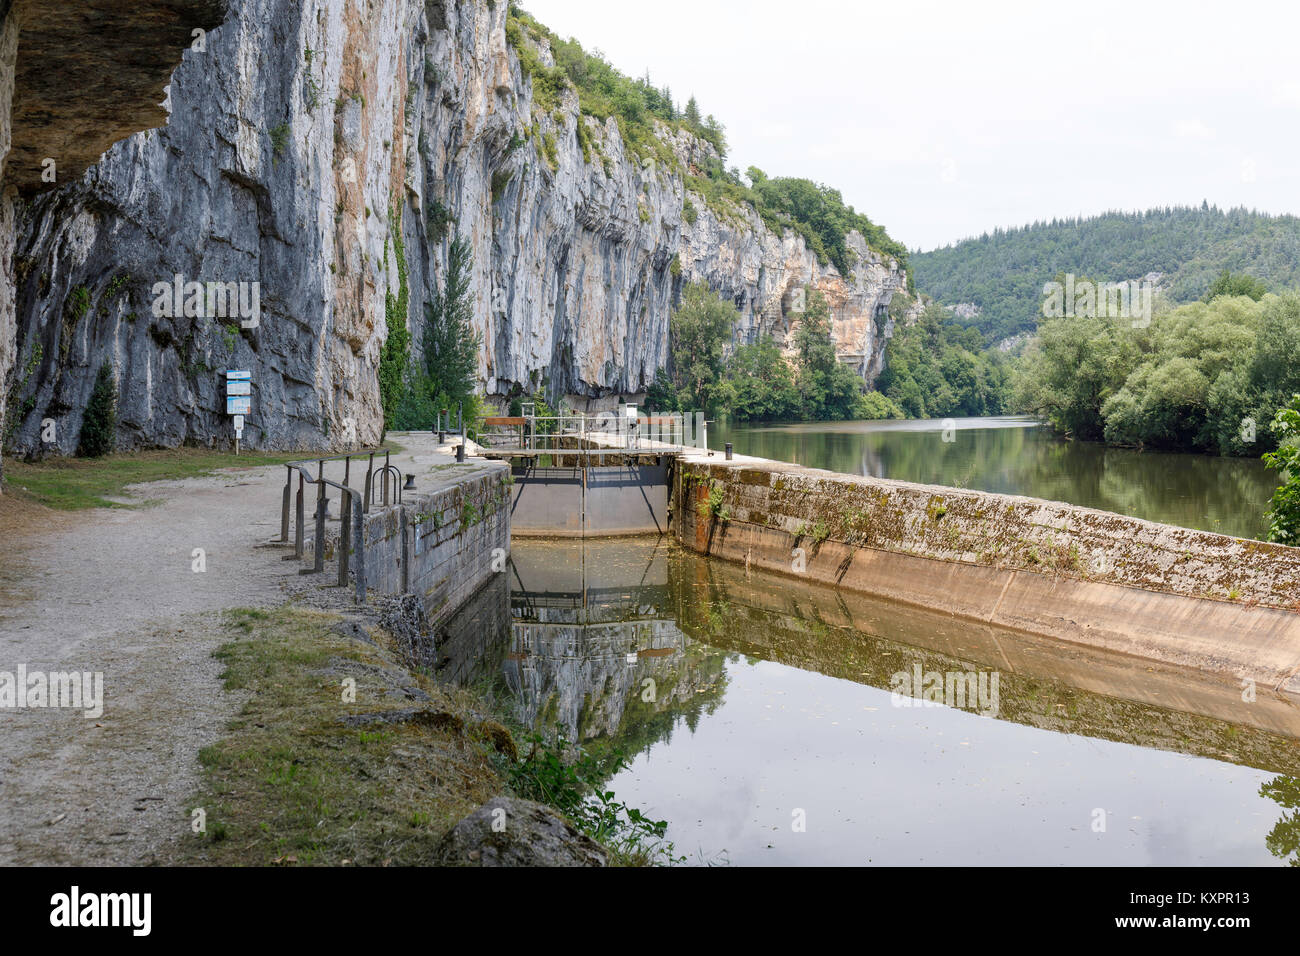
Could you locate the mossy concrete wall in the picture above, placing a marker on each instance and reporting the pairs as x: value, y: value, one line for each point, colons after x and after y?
x: 1222, y: 605
x: 441, y: 544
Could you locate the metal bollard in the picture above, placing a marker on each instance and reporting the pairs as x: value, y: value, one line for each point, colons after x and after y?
x: 460, y: 451
x: 728, y: 449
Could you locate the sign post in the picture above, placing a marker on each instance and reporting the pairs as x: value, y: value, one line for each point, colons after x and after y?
x: 239, y: 400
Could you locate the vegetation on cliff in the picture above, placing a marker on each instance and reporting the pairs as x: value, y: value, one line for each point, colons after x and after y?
x: 644, y: 113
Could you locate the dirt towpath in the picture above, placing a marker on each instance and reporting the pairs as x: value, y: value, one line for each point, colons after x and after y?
x: 115, y: 592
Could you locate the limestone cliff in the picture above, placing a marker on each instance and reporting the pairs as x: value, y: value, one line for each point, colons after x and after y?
x: 75, y: 76
x: 325, y: 151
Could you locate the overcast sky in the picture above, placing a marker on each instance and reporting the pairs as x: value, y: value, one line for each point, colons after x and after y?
x: 942, y: 120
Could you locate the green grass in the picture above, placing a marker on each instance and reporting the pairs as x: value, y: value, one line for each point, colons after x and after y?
x: 290, y: 784
x: 71, y: 484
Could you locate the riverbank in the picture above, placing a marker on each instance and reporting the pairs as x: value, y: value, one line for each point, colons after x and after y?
x: 239, y: 713
x: 1225, y: 606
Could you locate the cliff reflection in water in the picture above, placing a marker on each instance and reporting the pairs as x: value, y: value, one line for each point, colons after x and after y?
x: 583, y: 640
x: 623, y: 638
x: 617, y: 644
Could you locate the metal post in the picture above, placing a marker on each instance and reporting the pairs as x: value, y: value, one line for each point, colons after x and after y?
x: 384, y: 479
x: 460, y: 419
x: 319, y: 564
x: 370, y: 477
x: 345, y: 539
x: 460, y: 450
x: 320, y: 473
x: 728, y: 448
x: 359, y: 546
x: 284, y: 504
x: 298, y: 519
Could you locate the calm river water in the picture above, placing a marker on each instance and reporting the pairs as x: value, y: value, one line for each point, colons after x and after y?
x: 1017, y: 456
x: 761, y: 720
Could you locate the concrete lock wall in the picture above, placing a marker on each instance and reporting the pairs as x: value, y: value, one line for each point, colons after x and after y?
x: 1223, y: 605
x: 591, y: 500
x: 442, y: 544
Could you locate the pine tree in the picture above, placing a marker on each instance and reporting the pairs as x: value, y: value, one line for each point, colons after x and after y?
x: 99, y: 423
x: 450, y: 343
x: 692, y: 115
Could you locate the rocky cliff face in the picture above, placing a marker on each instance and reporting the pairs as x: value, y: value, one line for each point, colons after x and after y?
x: 75, y: 77
x: 325, y: 151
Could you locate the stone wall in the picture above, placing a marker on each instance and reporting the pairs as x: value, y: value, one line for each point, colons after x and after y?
x: 1220, y: 604
x: 441, y: 545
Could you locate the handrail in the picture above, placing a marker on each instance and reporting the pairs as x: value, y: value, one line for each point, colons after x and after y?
x: 354, y: 503
x: 602, y: 431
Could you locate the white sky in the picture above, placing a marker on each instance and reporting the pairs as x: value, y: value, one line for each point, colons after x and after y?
x: 940, y: 120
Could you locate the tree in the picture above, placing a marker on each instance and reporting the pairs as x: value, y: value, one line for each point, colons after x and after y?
x: 697, y: 334
x: 1229, y: 283
x: 1284, y: 515
x: 692, y: 114
x: 451, y: 344
x: 448, y: 374
x: 827, y: 388
x: 760, y: 383
x: 99, y: 423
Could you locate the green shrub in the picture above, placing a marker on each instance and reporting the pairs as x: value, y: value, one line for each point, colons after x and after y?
x: 1284, y: 516
x: 99, y: 423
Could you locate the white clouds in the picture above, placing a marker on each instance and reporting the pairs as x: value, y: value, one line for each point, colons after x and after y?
x: 1017, y: 110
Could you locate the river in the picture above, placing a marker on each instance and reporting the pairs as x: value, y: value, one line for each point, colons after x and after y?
x: 766, y: 720
x: 1018, y: 456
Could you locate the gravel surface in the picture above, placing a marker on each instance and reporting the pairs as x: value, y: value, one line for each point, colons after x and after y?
x: 115, y: 592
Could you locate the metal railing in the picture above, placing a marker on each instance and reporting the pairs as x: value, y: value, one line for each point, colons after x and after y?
x: 355, y: 503
x: 623, y: 429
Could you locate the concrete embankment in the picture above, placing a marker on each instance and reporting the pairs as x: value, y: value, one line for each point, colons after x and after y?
x: 441, y: 543
x: 1225, y: 606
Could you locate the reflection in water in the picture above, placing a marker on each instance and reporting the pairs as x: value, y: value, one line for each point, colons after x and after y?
x: 745, y: 698
x: 590, y: 647
x: 1284, y: 839
x: 1013, y: 456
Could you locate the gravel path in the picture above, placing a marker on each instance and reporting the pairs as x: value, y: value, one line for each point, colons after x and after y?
x: 114, y: 592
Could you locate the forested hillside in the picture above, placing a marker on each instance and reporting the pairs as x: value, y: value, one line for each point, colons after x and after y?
x: 1003, y: 272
